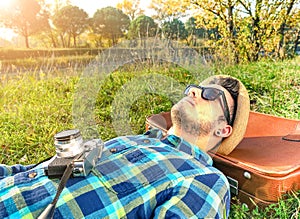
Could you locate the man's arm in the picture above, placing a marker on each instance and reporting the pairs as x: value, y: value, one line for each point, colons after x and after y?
x: 205, y: 196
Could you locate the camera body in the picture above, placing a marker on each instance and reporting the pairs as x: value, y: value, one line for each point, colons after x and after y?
x: 71, y: 149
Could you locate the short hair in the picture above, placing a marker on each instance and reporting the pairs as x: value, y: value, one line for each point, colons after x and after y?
x: 232, y: 86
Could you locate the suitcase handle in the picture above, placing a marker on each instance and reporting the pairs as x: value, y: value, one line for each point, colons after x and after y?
x: 294, y: 136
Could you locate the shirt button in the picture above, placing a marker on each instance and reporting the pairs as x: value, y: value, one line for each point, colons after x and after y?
x: 32, y: 175
x: 146, y: 141
x: 113, y: 150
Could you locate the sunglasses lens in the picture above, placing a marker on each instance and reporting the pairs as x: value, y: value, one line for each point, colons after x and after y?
x: 187, y: 90
x: 210, y: 93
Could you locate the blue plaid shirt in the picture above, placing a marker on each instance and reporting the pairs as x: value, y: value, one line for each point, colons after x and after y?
x: 136, y: 177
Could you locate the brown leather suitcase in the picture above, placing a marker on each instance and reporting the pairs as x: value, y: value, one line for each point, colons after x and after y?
x: 266, y: 163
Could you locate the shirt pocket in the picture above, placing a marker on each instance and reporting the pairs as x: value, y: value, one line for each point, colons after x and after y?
x: 126, y: 172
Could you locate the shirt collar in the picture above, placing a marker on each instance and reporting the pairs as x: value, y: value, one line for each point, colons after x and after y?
x: 182, y: 145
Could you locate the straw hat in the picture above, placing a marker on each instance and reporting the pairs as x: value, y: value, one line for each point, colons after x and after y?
x: 241, y: 117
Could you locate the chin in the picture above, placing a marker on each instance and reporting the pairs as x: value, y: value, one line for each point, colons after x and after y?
x: 186, y: 121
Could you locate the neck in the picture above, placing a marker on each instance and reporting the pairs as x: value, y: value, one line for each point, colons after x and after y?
x: 205, y: 142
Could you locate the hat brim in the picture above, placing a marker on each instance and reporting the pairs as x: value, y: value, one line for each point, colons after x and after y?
x: 241, y: 118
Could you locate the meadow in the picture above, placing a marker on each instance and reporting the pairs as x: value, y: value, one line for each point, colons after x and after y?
x: 36, y: 104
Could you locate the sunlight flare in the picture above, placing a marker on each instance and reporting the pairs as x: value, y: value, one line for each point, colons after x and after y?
x: 6, y: 3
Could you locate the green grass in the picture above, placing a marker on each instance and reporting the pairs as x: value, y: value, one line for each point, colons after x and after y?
x: 274, y: 87
x: 36, y: 105
x: 32, y: 111
x: 287, y: 208
x: 48, y: 63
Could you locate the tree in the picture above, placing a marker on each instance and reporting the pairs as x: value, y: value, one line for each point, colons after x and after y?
x: 168, y: 9
x: 46, y: 36
x: 58, y: 4
x: 193, y: 31
x: 295, y: 32
x: 269, y: 21
x: 130, y: 8
x: 25, y: 17
x: 111, y: 23
x: 143, y: 26
x: 71, y: 21
x: 221, y: 15
x: 174, y: 30
x: 286, y: 14
x: 247, y: 27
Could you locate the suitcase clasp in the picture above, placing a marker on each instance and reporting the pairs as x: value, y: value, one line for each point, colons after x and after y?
x: 234, y: 186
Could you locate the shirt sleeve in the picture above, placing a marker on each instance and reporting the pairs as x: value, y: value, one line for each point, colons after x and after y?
x: 205, y: 196
x: 6, y: 170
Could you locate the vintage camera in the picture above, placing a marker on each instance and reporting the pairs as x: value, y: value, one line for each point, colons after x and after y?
x: 70, y: 148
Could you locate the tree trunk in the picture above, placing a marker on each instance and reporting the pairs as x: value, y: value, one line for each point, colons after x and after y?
x: 280, y: 47
x: 297, y: 42
x: 52, y: 39
x: 256, y: 39
x: 27, y: 42
x: 281, y: 50
x: 62, y: 40
x: 74, y: 39
x: 69, y: 40
x: 26, y: 37
x: 231, y: 33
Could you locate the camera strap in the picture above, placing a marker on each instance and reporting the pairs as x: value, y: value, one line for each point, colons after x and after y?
x: 49, y: 210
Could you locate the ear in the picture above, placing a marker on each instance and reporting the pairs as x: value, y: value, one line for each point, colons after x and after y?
x: 224, y: 132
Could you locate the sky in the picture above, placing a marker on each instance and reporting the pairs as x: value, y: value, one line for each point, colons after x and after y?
x: 89, y: 6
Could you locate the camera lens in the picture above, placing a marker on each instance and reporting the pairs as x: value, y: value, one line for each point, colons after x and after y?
x: 68, y: 143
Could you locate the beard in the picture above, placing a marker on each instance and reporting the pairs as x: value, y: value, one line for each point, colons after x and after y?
x: 189, y: 121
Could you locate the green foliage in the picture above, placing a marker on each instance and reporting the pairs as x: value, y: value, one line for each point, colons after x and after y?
x: 273, y: 86
x: 45, y: 64
x: 111, y: 23
x: 174, y: 30
x: 288, y: 207
x: 193, y: 32
x: 72, y: 21
x: 32, y: 111
x: 168, y: 9
x: 12, y: 54
x: 146, y: 104
x: 131, y: 8
x: 14, y: 60
x: 239, y: 31
x: 246, y: 28
x: 33, y: 107
x: 142, y: 26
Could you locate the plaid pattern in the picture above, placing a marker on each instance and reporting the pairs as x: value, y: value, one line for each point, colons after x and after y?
x: 136, y: 177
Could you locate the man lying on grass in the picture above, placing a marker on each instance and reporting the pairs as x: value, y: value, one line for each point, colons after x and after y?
x: 145, y: 176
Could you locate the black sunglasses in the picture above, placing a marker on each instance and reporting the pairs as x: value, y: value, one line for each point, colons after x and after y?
x: 211, y: 93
